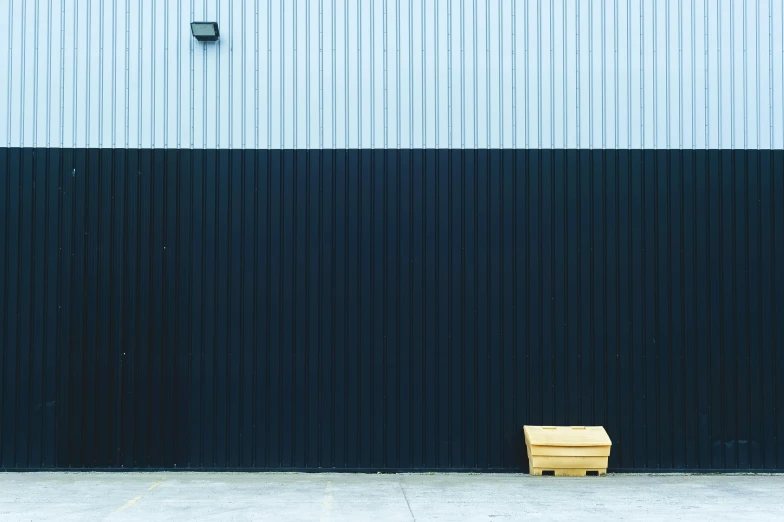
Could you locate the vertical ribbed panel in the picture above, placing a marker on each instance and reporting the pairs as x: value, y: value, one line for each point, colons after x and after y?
x: 389, y: 309
x: 662, y: 74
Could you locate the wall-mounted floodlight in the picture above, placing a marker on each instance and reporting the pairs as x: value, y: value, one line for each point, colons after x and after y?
x: 205, y: 31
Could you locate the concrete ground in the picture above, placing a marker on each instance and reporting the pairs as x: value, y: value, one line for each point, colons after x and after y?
x: 299, y: 496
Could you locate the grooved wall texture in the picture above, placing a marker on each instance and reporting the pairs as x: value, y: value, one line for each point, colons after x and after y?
x: 389, y: 309
x: 393, y: 74
x: 367, y: 235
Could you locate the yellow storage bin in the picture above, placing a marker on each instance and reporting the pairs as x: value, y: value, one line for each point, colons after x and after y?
x: 571, y: 451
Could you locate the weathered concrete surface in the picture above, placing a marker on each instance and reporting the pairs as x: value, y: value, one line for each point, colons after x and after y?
x: 295, y: 496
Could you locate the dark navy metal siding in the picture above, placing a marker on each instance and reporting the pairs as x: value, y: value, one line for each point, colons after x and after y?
x: 389, y: 309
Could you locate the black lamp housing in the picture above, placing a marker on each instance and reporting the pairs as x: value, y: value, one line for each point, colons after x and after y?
x: 205, y: 31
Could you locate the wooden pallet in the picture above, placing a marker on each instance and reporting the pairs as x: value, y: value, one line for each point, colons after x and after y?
x: 568, y: 472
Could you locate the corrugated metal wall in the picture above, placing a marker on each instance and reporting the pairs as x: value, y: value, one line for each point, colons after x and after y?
x: 403, y: 308
x: 389, y: 309
x: 394, y: 73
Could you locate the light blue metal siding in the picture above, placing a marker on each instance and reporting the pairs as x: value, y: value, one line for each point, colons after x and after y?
x: 393, y: 73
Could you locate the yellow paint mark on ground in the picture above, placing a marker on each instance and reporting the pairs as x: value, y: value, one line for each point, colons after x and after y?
x: 136, y: 498
x: 326, y: 505
x: 129, y: 503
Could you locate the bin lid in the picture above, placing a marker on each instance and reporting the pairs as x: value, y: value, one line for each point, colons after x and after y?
x: 566, y: 436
